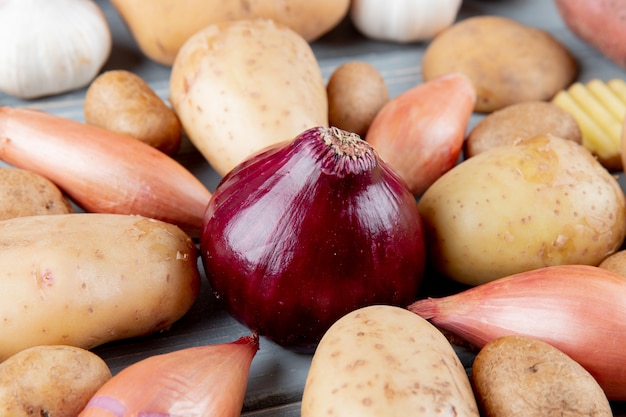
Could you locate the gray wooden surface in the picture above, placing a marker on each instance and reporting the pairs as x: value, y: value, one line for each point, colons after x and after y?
x: 277, y: 375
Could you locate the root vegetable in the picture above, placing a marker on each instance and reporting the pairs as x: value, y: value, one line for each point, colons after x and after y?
x: 507, y: 61
x: 123, y: 102
x: 522, y: 376
x: 420, y: 133
x: 102, y: 171
x: 161, y: 27
x: 51, y: 48
x: 578, y: 309
x: 518, y: 122
x: 599, y: 23
x: 55, y: 380
x: 308, y: 230
x: 85, y: 279
x: 241, y: 86
x: 356, y: 93
x: 385, y: 361
x: 25, y: 193
x: 542, y: 201
x: 199, y: 381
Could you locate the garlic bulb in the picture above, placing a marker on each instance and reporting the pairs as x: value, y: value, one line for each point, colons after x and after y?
x: 403, y: 20
x: 51, y: 46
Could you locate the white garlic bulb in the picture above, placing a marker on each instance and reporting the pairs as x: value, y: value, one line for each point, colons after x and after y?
x: 403, y: 20
x: 50, y: 47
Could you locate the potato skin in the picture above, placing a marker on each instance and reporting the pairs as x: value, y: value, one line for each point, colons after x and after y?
x: 521, y: 121
x: 239, y: 87
x: 356, y: 92
x: 615, y: 262
x: 85, y: 279
x: 123, y: 102
x: 25, y: 193
x: 383, y: 360
x: 523, y: 63
x: 543, y: 201
x: 55, y: 381
x: 161, y: 27
x: 521, y: 376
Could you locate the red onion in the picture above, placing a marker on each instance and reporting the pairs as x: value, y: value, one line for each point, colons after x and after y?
x: 308, y: 230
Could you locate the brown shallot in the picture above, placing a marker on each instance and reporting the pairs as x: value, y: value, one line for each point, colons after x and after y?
x: 102, y: 171
x: 579, y: 309
x: 199, y: 381
x: 420, y: 132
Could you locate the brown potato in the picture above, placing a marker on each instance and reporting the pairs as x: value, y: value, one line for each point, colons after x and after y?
x: 507, y: 61
x: 123, y: 102
x: 25, y: 193
x: 615, y: 262
x: 522, y: 376
x: 356, y: 92
x: 161, y: 27
x: 53, y: 380
x: 521, y: 121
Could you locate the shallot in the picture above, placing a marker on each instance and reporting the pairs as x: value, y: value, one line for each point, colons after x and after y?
x: 579, y: 309
x: 192, y: 382
x: 102, y: 171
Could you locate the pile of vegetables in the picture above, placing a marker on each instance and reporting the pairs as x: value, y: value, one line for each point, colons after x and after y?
x: 336, y: 204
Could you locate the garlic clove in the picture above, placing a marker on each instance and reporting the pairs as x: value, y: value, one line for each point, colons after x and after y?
x: 51, y: 47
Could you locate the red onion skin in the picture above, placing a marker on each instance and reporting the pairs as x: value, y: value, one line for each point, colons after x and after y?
x: 296, y: 236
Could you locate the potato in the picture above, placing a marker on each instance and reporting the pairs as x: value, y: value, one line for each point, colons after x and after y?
x: 161, y: 27
x: 521, y: 376
x: 25, y: 193
x: 386, y: 361
x: 241, y: 86
x: 521, y: 121
x: 123, y: 102
x: 356, y: 92
x: 507, y: 61
x: 543, y: 201
x: 599, y: 23
x: 55, y: 381
x: 84, y: 279
x: 615, y: 262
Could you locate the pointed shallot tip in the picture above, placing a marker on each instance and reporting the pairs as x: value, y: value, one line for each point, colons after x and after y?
x: 252, y: 340
x: 426, y: 308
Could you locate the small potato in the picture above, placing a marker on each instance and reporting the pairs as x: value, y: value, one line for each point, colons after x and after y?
x: 540, y: 202
x: 85, y: 279
x: 25, y: 193
x: 521, y: 376
x: 386, y: 361
x: 508, y: 62
x: 241, y: 86
x: 356, y: 92
x: 521, y: 121
x: 123, y: 102
x: 615, y: 262
x: 55, y: 381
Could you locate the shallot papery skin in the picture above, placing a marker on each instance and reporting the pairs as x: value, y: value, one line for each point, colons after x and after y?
x: 306, y: 231
x: 203, y: 381
x: 579, y: 309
